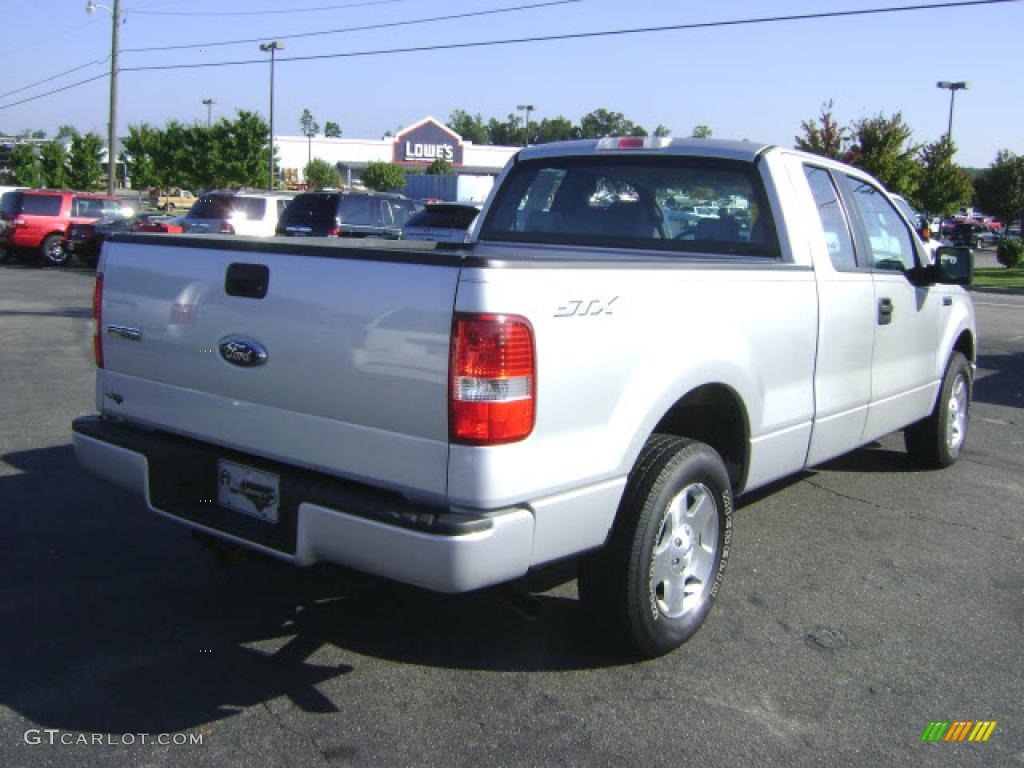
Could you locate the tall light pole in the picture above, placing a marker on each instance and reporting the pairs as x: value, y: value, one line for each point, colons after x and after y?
x: 272, y: 46
x: 209, y: 110
x: 115, y: 15
x: 952, y: 87
x: 527, y: 108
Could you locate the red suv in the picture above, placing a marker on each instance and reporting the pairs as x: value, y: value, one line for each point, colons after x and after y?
x: 34, y: 222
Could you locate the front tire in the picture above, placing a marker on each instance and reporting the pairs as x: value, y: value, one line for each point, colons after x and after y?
x: 936, y: 442
x: 654, y: 582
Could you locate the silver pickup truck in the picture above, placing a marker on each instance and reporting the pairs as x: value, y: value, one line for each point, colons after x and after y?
x: 593, y: 375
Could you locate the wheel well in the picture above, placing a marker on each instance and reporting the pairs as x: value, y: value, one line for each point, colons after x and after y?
x: 713, y: 414
x: 965, y: 345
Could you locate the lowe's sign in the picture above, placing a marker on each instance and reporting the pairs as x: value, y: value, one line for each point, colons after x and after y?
x: 427, y: 141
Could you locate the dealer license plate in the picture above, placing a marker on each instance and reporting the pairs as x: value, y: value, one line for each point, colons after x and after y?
x: 247, y: 490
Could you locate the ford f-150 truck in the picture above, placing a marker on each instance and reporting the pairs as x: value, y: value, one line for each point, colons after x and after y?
x: 587, y: 378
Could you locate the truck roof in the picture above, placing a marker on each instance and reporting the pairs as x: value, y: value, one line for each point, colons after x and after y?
x: 729, y: 150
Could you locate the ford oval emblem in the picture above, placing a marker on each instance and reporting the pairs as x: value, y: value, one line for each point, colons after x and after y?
x: 244, y: 353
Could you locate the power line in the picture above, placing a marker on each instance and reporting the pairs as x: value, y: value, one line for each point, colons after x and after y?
x: 386, y: 25
x: 546, y: 38
x: 581, y: 35
x: 267, y: 13
x: 55, y: 90
x: 55, y: 77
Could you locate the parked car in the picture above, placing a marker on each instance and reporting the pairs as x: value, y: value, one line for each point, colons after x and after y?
x: 574, y: 382
x: 229, y: 212
x: 336, y: 213
x: 4, y: 224
x: 971, y: 234
x: 85, y: 240
x: 442, y: 223
x: 37, y: 221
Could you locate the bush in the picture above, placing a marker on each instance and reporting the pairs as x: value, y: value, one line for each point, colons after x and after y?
x: 383, y: 177
x: 319, y: 174
x: 1010, y: 253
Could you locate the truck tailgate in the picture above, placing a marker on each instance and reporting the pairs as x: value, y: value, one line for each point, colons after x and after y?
x: 354, y: 382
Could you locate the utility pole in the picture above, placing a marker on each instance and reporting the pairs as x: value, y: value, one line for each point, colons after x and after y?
x: 115, y: 47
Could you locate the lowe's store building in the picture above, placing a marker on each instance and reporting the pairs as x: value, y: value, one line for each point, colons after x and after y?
x: 476, y: 165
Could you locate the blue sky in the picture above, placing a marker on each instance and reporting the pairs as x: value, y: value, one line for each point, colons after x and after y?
x: 755, y: 82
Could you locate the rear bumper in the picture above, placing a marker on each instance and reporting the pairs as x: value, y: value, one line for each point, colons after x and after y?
x: 321, y: 519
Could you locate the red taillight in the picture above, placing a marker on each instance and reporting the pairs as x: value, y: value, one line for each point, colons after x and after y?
x: 334, y: 232
x: 631, y: 142
x: 226, y: 228
x: 492, y: 379
x: 97, y: 315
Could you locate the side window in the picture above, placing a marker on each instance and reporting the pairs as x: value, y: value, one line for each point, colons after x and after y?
x: 87, y: 207
x: 281, y: 205
x: 385, y: 213
x: 888, y: 238
x: 111, y: 207
x: 358, y: 210
x: 838, y: 239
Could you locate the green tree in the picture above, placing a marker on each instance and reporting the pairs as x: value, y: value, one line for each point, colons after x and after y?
x: 554, y: 129
x: 53, y: 164
x: 662, y: 131
x: 601, y: 123
x: 882, y: 147
x: 383, y: 177
x: 823, y: 135
x: 440, y: 167
x: 24, y: 170
x: 469, y: 127
x: 319, y: 174
x: 701, y: 131
x: 508, y: 133
x: 943, y: 186
x: 309, y: 129
x: 38, y: 134
x: 66, y: 132
x: 141, y: 146
x: 85, y: 166
x: 999, y: 189
x: 309, y: 125
x: 241, y: 147
x: 332, y: 130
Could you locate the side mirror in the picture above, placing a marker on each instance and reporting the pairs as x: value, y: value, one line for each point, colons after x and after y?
x: 953, y: 266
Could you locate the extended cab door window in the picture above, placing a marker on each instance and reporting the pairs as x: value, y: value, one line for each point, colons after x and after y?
x: 838, y: 238
x: 888, y: 243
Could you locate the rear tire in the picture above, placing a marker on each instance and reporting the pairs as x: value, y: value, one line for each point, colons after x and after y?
x: 52, y: 251
x: 936, y: 442
x: 654, y: 582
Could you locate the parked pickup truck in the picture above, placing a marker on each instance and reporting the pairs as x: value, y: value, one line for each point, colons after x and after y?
x: 170, y: 199
x: 575, y: 382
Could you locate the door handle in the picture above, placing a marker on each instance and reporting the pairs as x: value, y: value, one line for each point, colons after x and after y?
x: 249, y: 281
x: 885, y: 308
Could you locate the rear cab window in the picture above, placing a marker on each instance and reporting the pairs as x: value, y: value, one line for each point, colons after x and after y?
x: 680, y: 205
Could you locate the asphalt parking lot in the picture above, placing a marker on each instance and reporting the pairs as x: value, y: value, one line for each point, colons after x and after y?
x: 864, y: 600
